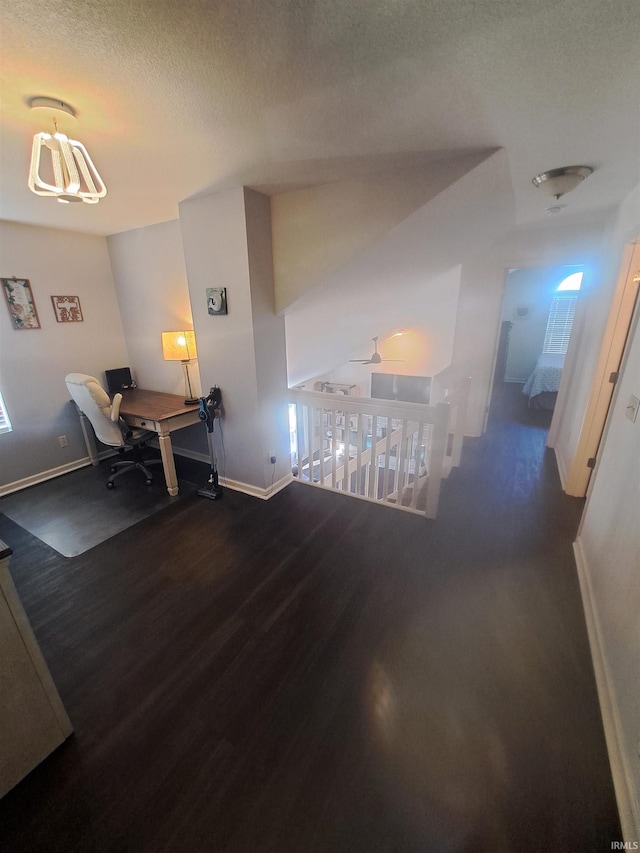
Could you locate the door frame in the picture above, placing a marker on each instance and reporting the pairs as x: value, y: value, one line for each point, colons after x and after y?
x: 611, y: 353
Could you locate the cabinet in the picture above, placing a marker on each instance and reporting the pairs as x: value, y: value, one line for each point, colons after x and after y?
x: 33, y: 721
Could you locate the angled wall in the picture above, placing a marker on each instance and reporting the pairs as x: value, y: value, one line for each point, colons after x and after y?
x: 389, y: 284
x: 320, y: 229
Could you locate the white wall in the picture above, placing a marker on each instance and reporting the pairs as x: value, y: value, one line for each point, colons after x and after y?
x: 608, y: 548
x: 269, y: 340
x: 227, y: 243
x: 319, y: 229
x: 380, y: 289
x: 426, y: 314
x: 33, y: 363
x: 153, y: 296
x: 477, y: 324
x: 590, y: 322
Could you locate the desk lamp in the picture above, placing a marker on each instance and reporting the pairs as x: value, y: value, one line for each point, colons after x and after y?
x: 181, y: 346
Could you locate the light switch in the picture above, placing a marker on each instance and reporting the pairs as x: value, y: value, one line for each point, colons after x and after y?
x: 632, y: 408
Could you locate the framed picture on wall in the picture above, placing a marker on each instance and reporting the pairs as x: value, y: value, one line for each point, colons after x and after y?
x: 217, y: 300
x: 67, y: 309
x: 20, y: 302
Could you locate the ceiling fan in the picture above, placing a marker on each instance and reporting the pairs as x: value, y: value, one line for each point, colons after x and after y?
x: 375, y: 358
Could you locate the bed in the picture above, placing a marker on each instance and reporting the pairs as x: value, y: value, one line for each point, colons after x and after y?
x: 542, y: 385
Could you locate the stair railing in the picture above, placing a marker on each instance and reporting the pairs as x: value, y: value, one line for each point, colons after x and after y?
x: 452, y: 387
x: 377, y: 450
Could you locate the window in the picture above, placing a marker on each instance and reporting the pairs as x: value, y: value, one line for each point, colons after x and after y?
x: 5, y: 423
x: 563, y: 309
x: 571, y: 282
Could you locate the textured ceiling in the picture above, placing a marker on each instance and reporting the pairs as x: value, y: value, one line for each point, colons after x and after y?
x: 176, y: 99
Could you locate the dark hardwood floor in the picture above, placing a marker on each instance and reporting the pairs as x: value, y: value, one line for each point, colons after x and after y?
x: 316, y: 673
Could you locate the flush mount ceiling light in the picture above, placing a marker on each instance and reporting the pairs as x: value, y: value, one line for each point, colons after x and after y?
x: 559, y: 182
x: 69, y: 173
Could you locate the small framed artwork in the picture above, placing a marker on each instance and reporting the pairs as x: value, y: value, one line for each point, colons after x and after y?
x: 67, y: 309
x: 217, y: 300
x: 20, y: 302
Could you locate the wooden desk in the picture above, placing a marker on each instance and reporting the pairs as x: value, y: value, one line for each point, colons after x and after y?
x: 158, y: 412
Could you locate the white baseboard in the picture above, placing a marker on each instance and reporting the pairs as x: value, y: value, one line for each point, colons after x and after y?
x: 628, y: 807
x: 188, y: 454
x: 254, y: 491
x: 41, y: 477
x: 235, y: 485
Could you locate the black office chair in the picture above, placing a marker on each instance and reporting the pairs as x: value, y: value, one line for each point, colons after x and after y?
x: 104, y: 415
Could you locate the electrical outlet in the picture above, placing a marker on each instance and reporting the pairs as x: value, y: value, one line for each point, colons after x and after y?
x: 632, y: 408
x: 272, y: 457
x: 62, y: 441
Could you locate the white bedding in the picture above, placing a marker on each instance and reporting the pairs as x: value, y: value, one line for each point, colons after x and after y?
x: 546, y: 375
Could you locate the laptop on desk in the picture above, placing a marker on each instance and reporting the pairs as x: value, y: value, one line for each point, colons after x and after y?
x: 119, y: 379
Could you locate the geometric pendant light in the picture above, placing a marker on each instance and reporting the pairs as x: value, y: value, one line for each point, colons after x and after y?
x: 61, y: 167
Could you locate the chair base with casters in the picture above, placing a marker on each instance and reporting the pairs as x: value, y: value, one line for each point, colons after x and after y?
x: 138, y: 462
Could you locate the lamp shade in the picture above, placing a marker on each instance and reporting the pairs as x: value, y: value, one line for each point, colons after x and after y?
x: 179, y: 346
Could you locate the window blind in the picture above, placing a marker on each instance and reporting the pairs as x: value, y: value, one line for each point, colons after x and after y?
x: 559, y: 324
x: 5, y: 423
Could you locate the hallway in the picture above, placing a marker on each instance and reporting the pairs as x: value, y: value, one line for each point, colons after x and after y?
x: 317, y: 673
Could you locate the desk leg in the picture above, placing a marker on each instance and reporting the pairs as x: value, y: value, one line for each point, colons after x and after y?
x: 168, y: 464
x: 89, y: 439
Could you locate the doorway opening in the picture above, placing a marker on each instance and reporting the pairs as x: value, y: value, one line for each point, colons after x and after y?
x: 536, y: 320
x: 576, y: 467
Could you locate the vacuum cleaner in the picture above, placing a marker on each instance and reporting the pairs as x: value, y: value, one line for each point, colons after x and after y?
x: 210, y: 409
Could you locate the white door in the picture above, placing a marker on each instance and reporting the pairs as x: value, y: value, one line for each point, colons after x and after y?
x: 611, y: 351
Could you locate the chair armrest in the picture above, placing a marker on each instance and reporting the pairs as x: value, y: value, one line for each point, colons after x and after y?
x: 125, y: 429
x: 115, y: 408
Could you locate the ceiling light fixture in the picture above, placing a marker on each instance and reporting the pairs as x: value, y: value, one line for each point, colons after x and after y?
x: 72, y: 175
x: 559, y: 182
